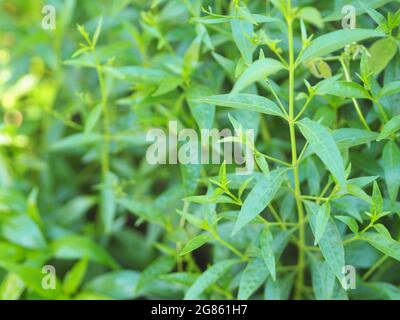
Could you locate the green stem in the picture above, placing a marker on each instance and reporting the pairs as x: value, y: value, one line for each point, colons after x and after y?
x: 382, y: 111
x: 274, y: 159
x: 297, y: 191
x: 374, y: 267
x: 105, y: 161
x: 355, y: 102
x: 229, y: 246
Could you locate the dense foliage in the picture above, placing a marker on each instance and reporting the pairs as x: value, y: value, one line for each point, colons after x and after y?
x: 78, y: 193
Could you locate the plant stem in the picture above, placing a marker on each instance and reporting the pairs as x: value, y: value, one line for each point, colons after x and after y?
x: 355, y: 102
x: 229, y: 246
x: 374, y: 267
x: 105, y: 161
x: 297, y: 191
x: 382, y: 111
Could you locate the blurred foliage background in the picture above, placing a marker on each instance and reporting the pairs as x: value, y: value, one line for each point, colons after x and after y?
x: 76, y: 191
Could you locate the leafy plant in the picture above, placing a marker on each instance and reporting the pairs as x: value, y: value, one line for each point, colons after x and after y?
x: 79, y: 195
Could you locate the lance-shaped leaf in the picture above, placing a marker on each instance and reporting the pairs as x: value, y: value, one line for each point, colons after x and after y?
x: 384, y: 244
x: 209, y: 277
x: 391, y: 168
x: 77, y: 247
x: 323, y: 279
x: 392, y: 126
x: 259, y: 198
x: 344, y: 89
x: 323, y: 144
x: 244, y: 101
x: 257, y: 71
x: 351, y: 137
x: 321, y: 221
x: 195, y: 243
x: 390, y: 89
x: 330, y: 243
x: 350, y: 222
x: 252, y: 278
x: 74, y: 277
x: 267, y: 252
x: 337, y: 40
x: 242, y: 31
x: 162, y: 265
x: 360, y: 7
x: 382, y: 51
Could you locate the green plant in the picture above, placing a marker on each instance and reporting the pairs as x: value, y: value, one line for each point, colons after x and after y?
x: 78, y: 192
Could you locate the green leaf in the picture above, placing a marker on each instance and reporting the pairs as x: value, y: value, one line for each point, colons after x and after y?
x: 93, y: 118
x: 107, y: 203
x: 203, y: 113
x: 350, y: 137
x: 253, y: 276
x: 382, y: 51
x: 313, y: 176
x: 22, y: 230
x: 279, y: 289
x: 244, y: 101
x: 323, y: 144
x: 267, y: 252
x: 75, y: 141
x: 390, y: 89
x: 259, y: 197
x: 388, y: 246
x: 78, y: 247
x: 375, y: 15
x: 391, y: 169
x: 359, y: 8
x: 242, y: 32
x: 11, y: 252
x: 337, y: 40
x: 162, y: 265
x: 32, y: 278
x: 209, y: 277
x: 344, y: 89
x: 330, y: 243
x: 350, y: 222
x: 323, y: 280
x: 382, y: 230
x: 74, y: 277
x: 191, y: 174
x: 311, y: 15
x: 358, y: 192
x: 141, y: 75
x: 12, y: 287
x: 257, y: 71
x: 195, y: 243
x: 262, y: 164
x: 391, y: 127
x: 377, y: 201
x: 321, y: 221
x: 116, y: 285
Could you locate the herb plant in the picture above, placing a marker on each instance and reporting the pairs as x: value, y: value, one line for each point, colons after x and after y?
x: 84, y: 215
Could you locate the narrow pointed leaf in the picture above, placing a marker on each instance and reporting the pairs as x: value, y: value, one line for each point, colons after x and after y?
x: 257, y: 71
x: 337, y: 40
x: 323, y: 144
x: 259, y: 198
x: 195, y: 243
x: 267, y: 252
x: 244, y: 101
x: 209, y: 277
